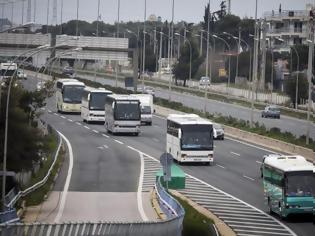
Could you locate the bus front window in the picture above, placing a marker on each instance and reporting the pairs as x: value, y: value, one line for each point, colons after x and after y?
x: 197, y: 137
x: 299, y: 184
x: 127, y: 111
x: 72, y: 94
x: 97, y: 101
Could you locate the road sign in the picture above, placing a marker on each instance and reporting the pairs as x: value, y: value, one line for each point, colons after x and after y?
x: 166, y: 160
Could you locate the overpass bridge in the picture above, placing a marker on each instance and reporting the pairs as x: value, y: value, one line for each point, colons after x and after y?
x: 105, y: 49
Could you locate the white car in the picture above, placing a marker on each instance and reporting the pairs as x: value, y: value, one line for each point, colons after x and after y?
x: 147, y: 90
x: 204, y: 81
x: 21, y: 74
x: 218, y: 131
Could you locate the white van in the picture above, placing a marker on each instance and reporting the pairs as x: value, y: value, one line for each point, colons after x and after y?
x: 146, y: 105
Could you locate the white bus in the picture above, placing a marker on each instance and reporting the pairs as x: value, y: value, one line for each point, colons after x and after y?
x: 7, y: 69
x: 68, y: 95
x: 189, y: 138
x: 122, y: 114
x: 288, y: 184
x: 93, y: 104
x: 146, y: 105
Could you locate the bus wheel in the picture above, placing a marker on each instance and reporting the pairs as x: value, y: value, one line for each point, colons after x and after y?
x: 136, y: 134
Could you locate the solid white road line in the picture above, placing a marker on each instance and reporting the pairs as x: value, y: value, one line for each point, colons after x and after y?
x: 134, y: 149
x: 248, y: 178
x: 236, y: 154
x: 117, y: 141
x: 139, y: 193
x: 104, y: 135
x: 67, y: 183
x: 86, y: 127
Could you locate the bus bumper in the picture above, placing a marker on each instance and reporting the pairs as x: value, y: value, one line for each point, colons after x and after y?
x: 96, y: 118
x: 130, y: 129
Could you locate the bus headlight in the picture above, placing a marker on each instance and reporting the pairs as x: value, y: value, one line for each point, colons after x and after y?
x: 210, y: 156
x: 184, y: 156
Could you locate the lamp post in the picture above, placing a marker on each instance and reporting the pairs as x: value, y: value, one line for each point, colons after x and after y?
x: 32, y: 52
x: 171, y: 50
x: 208, y: 38
x: 237, y: 40
x: 297, y: 77
x: 190, y: 53
x: 98, y: 17
x: 229, y: 47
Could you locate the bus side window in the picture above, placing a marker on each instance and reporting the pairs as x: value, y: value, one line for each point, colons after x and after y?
x: 59, y: 85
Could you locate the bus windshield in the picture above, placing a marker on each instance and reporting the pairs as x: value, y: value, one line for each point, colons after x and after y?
x: 97, y: 101
x: 197, y: 137
x: 146, y: 110
x: 300, y: 184
x: 72, y: 93
x: 127, y: 111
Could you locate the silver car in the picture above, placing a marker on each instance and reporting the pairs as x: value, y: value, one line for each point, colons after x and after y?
x: 218, y: 131
x: 271, y: 111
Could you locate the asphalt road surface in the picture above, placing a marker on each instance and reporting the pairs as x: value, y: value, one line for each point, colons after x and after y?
x: 236, y: 169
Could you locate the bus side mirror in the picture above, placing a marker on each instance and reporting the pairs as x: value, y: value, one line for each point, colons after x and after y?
x: 88, y: 98
x: 113, y: 105
x: 154, y: 111
x: 179, y: 134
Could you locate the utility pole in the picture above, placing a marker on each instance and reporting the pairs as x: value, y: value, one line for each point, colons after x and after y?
x: 263, y: 63
x: 160, y: 57
x: 238, y: 50
x: 208, y: 38
x: 54, y: 21
x: 310, y: 75
x: 144, y: 32
x: 29, y: 10
x: 255, y: 64
x: 171, y: 53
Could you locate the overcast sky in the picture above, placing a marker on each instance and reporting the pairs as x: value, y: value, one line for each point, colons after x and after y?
x: 133, y: 10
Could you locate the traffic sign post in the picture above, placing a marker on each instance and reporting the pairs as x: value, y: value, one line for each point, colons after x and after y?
x: 166, y: 160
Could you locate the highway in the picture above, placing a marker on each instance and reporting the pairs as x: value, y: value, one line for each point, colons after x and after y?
x: 295, y: 126
x: 236, y: 169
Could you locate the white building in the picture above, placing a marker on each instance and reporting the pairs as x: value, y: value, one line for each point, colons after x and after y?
x: 289, y: 25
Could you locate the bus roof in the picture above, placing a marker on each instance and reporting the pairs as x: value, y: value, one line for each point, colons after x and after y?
x: 288, y: 163
x: 70, y: 82
x: 123, y: 97
x: 97, y: 90
x: 188, y: 119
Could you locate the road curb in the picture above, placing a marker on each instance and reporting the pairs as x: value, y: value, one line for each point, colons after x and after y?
x: 156, y: 206
x: 223, y: 229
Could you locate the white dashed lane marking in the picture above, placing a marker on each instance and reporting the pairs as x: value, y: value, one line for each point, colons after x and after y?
x: 63, y: 117
x: 70, y: 120
x: 117, y: 141
x: 104, y: 135
x: 56, y: 114
x: 95, y: 131
x: 259, y: 162
x: 220, y: 166
x: 236, y: 154
x: 78, y: 123
x: 248, y: 178
x: 86, y: 127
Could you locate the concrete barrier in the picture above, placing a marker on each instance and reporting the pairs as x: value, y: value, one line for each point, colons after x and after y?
x: 267, y: 142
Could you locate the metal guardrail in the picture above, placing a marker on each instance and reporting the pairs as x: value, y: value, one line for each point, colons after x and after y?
x: 168, y: 204
x: 9, y: 216
x: 40, y: 183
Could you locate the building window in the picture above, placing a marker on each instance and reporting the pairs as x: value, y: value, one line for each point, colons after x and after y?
x: 297, y: 41
x: 298, y: 27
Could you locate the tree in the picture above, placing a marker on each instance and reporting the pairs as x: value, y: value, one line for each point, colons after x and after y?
x: 290, y: 87
x: 181, y: 68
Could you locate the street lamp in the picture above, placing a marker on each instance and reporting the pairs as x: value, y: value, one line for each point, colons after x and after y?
x: 238, y: 48
x: 190, y: 53
x: 32, y: 52
x: 297, y: 77
x: 226, y: 43
x: 250, y: 55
